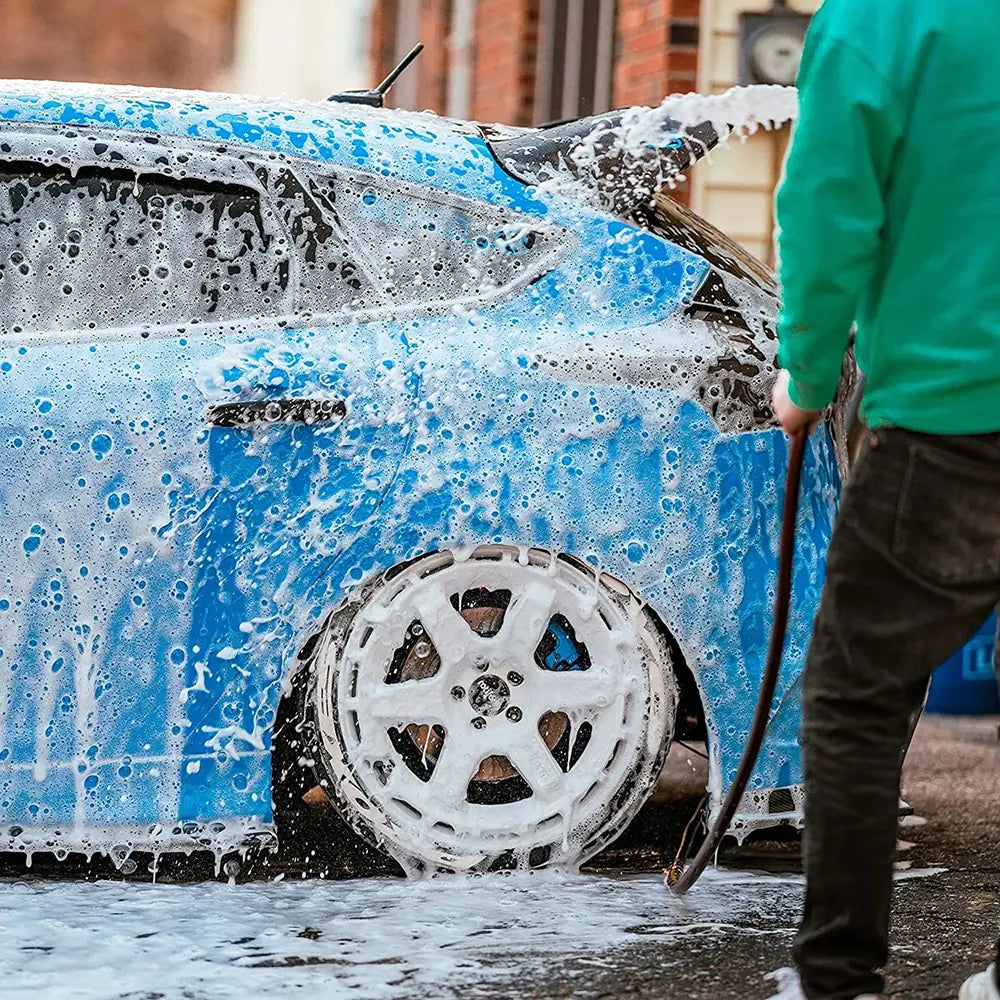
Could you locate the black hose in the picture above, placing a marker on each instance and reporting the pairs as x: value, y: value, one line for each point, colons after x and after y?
x: 769, y: 680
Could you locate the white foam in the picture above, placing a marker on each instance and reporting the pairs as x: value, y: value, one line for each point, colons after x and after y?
x: 739, y: 111
x: 437, y: 404
x: 789, y: 987
x: 375, y: 939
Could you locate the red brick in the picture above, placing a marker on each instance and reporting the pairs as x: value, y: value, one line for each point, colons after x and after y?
x: 506, y: 41
x: 382, y: 39
x: 647, y: 68
x: 640, y: 70
x: 185, y: 43
x: 682, y: 60
x: 505, y: 53
x: 432, y: 67
x: 685, y: 8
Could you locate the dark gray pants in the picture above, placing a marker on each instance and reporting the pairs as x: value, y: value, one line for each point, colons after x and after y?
x: 913, y: 571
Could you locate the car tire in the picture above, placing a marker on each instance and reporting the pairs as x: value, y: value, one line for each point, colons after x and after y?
x: 494, y: 709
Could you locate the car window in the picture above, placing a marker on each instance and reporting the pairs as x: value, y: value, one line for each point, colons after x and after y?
x: 103, y: 247
x: 331, y: 278
x: 423, y: 247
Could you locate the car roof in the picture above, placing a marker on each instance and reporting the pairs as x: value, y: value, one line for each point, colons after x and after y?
x: 322, y: 130
x: 37, y: 93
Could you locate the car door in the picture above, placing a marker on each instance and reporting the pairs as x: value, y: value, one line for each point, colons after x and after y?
x: 173, y: 443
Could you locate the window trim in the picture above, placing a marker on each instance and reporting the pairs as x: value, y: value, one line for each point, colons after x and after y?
x: 563, y: 246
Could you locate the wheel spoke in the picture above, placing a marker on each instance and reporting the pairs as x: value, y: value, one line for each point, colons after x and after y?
x: 423, y: 701
x: 452, y: 774
x: 404, y: 784
x: 374, y: 744
x: 566, y: 690
x: 537, y: 766
x: 525, y: 622
x: 449, y: 631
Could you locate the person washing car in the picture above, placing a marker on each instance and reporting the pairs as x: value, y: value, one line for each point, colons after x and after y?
x: 889, y: 215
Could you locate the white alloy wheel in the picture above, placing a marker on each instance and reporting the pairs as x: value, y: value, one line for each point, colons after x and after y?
x: 504, y: 708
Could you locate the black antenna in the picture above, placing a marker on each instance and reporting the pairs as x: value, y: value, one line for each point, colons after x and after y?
x: 376, y: 98
x: 383, y: 87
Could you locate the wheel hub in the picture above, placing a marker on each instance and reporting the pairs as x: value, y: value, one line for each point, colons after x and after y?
x: 489, y: 695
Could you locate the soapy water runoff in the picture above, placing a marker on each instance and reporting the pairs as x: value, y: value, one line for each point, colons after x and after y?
x: 380, y: 939
x: 455, y: 936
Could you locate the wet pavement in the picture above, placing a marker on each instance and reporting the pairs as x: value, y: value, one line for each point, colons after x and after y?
x: 944, y: 924
x: 529, y: 936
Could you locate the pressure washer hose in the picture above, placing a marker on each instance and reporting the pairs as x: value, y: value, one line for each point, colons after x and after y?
x: 769, y: 680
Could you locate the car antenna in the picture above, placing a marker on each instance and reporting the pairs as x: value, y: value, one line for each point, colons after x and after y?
x: 376, y: 98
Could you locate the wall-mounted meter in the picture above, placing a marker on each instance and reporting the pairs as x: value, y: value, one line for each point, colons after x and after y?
x: 771, y: 44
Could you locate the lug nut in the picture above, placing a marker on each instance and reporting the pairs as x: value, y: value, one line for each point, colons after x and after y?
x: 458, y: 692
x: 478, y: 722
x: 514, y: 713
x: 515, y: 678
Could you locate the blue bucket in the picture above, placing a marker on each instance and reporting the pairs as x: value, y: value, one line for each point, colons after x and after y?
x: 966, y: 684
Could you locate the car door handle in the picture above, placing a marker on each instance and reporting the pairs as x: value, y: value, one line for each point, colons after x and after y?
x: 277, y: 411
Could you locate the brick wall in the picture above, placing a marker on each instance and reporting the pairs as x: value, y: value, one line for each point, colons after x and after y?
x: 682, y: 46
x: 432, y: 66
x: 641, y: 51
x: 656, y: 50
x: 503, y: 87
x: 383, y: 39
x: 183, y: 43
x: 656, y: 53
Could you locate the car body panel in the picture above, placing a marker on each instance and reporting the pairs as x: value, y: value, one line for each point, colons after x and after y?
x: 162, y: 572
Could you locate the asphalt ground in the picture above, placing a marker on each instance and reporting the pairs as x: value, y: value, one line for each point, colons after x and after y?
x: 945, y: 925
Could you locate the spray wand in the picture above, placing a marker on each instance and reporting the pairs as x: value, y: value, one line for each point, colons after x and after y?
x: 680, y: 881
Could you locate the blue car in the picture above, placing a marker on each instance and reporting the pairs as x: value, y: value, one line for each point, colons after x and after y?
x: 432, y: 440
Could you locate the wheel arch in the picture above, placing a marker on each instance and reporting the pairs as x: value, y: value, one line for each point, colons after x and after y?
x: 690, y: 722
x: 293, y: 730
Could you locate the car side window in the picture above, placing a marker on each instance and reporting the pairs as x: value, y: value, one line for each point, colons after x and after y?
x: 331, y: 278
x: 103, y: 247
x: 423, y: 247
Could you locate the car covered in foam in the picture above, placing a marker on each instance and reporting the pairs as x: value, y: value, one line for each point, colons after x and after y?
x: 442, y: 444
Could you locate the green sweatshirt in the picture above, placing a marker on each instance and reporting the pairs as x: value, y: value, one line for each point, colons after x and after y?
x: 889, y: 213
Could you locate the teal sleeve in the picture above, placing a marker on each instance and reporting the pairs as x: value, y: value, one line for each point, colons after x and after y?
x: 830, y: 211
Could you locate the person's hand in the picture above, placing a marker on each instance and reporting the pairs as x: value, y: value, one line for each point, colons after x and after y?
x: 791, y: 418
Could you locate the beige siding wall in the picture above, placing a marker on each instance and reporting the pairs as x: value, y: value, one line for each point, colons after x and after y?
x: 301, y: 48
x: 735, y: 189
